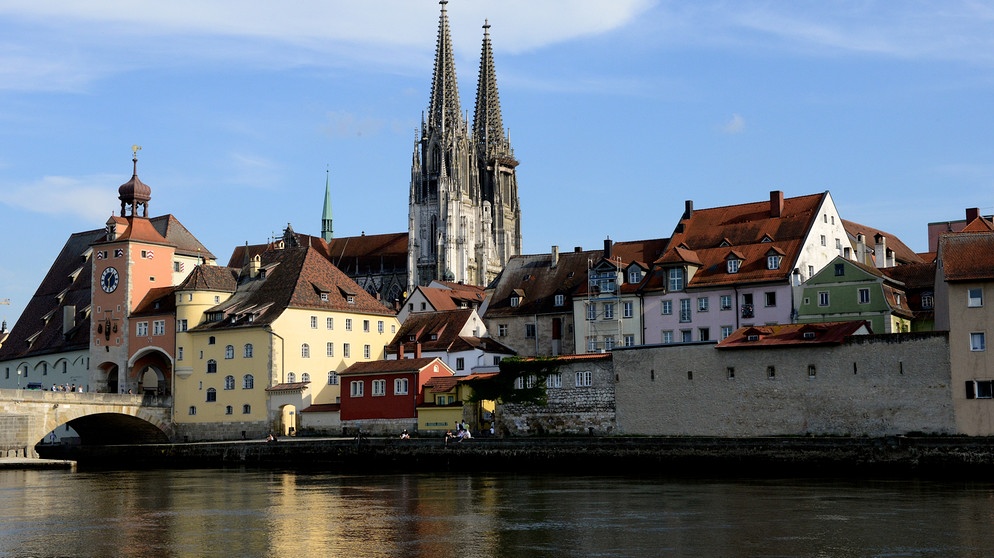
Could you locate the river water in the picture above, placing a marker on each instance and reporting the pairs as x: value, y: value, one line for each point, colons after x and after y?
x: 247, y: 513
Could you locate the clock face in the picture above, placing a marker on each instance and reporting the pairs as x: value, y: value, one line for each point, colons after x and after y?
x: 108, y: 280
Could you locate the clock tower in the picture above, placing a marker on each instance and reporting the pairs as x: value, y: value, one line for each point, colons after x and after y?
x: 132, y: 259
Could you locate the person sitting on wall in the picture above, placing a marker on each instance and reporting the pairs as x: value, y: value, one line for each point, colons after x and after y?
x: 448, y: 436
x: 464, y: 435
x: 404, y: 435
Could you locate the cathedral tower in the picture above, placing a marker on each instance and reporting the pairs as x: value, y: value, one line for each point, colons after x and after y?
x: 464, y: 220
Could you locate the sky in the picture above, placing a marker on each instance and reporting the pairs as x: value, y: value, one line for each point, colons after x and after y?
x: 618, y: 112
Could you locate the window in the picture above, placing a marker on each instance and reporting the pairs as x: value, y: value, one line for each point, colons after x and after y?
x: 583, y: 378
x: 365, y: 326
x: 730, y: 372
x: 725, y: 302
x: 217, y: 299
x: 822, y: 298
x: 629, y: 340
x: 554, y: 381
x: 979, y: 389
x: 211, y: 366
x: 248, y: 381
x: 211, y: 340
x: 733, y: 265
x: 530, y: 331
x: 211, y: 395
x: 608, y: 343
x: 314, y: 322
x: 667, y: 307
x: 927, y: 301
x: 192, y: 410
x: 324, y: 297
x: 329, y: 323
x: 978, y: 341
x: 229, y: 351
x: 812, y: 372
x: 305, y: 377
x: 608, y: 310
x: 704, y: 334
x: 840, y: 270
x: 246, y: 409
x: 247, y: 350
x: 771, y: 298
x: 379, y: 388
x: 350, y: 299
x: 771, y: 372
x: 181, y: 325
x: 291, y: 378
x: 676, y: 279
x: 667, y: 337
x: 329, y: 349
x: 496, y: 360
x: 519, y: 383
x: 460, y: 363
x: 726, y: 330
x: 514, y: 301
x: 346, y: 350
x: 773, y: 262
x: 975, y: 298
x: 686, y: 336
x: 356, y: 388
x: 628, y: 309
x: 838, y: 243
x: 560, y: 300
x: 400, y: 386
x: 823, y: 241
x: 365, y: 351
x: 864, y: 296
x: 379, y: 326
x: 332, y: 378
x: 591, y: 311
x: 591, y: 344
x: 501, y: 330
x: 229, y: 382
x: 684, y: 309
x: 179, y: 353
x: 348, y: 324
x: 141, y: 329
x: 305, y: 350
x: 702, y: 304
x: 634, y: 275
x: 159, y: 327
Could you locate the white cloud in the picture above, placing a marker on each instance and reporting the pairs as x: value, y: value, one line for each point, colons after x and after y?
x: 87, y: 197
x: 736, y: 125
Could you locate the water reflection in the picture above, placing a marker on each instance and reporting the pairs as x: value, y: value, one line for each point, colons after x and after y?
x: 262, y: 513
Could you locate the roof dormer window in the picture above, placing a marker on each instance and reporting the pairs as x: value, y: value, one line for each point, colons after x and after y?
x: 515, y: 300
x: 773, y: 261
x: 733, y: 265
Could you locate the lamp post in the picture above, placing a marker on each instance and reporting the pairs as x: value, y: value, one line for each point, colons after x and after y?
x: 19, y: 378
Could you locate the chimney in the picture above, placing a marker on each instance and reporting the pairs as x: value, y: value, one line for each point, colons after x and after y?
x: 861, y: 248
x: 776, y: 203
x: 555, y: 256
x: 417, y: 350
x: 880, y: 252
x: 890, y: 258
x: 400, y: 351
x: 607, y: 248
x: 68, y: 318
x: 578, y: 249
x: 972, y: 214
x: 688, y: 209
x: 254, y: 266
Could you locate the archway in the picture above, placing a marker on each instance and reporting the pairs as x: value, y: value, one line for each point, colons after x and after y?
x: 289, y: 420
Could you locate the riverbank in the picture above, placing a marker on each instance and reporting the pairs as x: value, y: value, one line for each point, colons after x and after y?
x: 29, y: 464
x: 579, y: 455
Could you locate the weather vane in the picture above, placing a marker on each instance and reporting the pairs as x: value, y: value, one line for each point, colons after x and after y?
x: 134, y: 151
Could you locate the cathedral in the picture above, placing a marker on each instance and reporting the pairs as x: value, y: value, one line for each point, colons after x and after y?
x: 465, y: 219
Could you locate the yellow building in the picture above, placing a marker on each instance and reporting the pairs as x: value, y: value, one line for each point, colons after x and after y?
x: 255, y: 346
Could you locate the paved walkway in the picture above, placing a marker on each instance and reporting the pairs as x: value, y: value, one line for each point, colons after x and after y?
x: 26, y: 463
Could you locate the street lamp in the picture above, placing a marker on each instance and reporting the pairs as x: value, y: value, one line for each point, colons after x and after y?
x: 19, y: 378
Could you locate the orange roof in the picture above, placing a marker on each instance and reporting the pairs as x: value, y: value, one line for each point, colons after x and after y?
x: 967, y: 256
x: 826, y: 333
x: 392, y: 366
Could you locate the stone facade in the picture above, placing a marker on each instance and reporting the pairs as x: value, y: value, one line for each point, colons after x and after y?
x: 875, y: 385
x: 572, y: 407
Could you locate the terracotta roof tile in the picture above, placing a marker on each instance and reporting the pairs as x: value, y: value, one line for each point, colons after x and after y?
x: 967, y: 256
x: 758, y: 337
x: 539, y: 280
x: 902, y: 254
x: 391, y: 366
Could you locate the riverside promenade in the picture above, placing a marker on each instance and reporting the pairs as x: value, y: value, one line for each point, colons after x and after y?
x: 933, y: 456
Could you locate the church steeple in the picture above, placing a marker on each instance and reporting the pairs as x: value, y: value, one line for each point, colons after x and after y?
x: 134, y: 193
x: 488, y: 126
x: 327, y: 232
x: 444, y: 111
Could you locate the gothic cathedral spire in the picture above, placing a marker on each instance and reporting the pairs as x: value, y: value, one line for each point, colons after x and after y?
x: 464, y: 220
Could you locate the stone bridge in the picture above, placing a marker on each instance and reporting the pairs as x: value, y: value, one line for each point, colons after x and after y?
x: 27, y: 416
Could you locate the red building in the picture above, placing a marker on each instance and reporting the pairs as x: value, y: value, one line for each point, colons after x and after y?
x: 382, y: 397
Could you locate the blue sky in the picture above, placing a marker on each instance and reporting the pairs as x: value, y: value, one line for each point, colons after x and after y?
x: 618, y: 112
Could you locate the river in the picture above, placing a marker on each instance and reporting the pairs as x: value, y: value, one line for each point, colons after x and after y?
x: 248, y: 513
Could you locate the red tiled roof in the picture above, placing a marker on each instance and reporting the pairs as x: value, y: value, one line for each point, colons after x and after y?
x: 159, y: 300
x: 445, y: 327
x: 902, y: 254
x: 709, y: 235
x: 539, y: 280
x: 211, y: 278
x: 442, y: 384
x: 391, y: 366
x: 826, y: 333
x: 323, y: 408
x: 288, y: 386
x: 967, y: 256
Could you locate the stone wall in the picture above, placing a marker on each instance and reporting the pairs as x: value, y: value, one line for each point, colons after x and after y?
x: 570, y: 409
x: 875, y: 385
x: 213, y: 432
